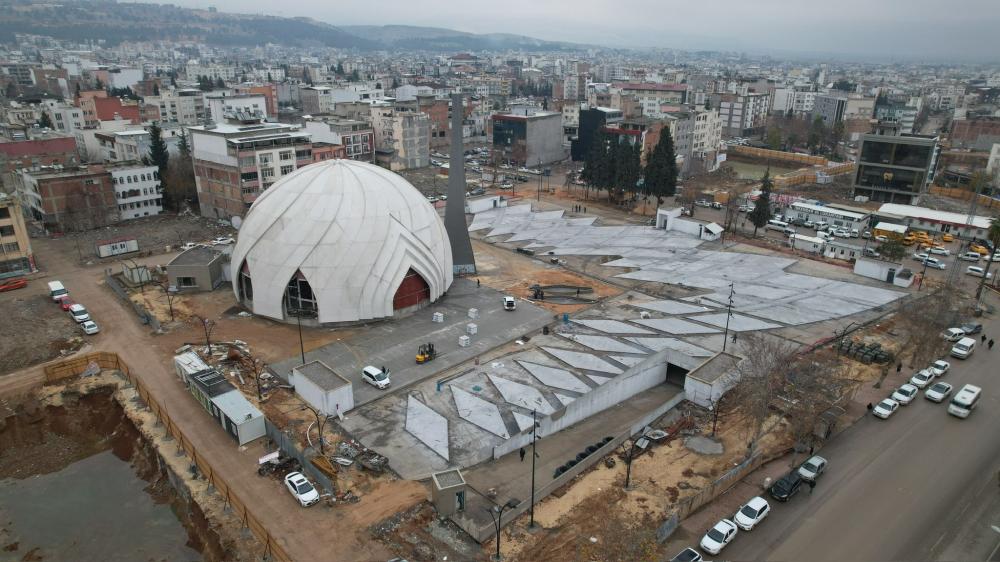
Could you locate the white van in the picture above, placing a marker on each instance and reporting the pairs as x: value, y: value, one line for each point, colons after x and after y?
x: 964, y: 348
x: 775, y: 224
x: 79, y: 313
x: 57, y: 292
x: 965, y: 401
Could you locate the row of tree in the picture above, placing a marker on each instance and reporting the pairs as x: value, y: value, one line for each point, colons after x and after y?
x: 614, y: 163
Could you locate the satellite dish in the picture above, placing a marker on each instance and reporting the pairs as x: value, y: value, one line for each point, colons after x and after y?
x: 236, y: 222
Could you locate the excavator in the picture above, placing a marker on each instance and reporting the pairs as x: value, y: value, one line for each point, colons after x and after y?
x: 426, y: 353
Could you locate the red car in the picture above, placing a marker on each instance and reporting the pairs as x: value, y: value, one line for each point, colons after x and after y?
x: 66, y: 303
x: 11, y: 284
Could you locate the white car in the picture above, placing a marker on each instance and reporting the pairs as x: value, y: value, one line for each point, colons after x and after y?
x: 89, y: 327
x: 937, y: 251
x: 933, y: 263
x: 751, y: 513
x: 223, y: 240
x: 885, y: 408
x: 922, y: 378
x: 970, y: 256
x: 188, y: 245
x: 904, y: 394
x: 953, y: 334
x: 79, y: 313
x: 881, y: 238
x: 940, y: 367
x: 976, y: 271
x: 996, y: 257
x: 938, y: 392
x: 718, y: 537
x: 811, y: 470
x: 376, y: 377
x: 921, y: 256
x: 299, y: 487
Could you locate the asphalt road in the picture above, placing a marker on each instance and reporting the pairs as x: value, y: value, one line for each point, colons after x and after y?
x: 922, y: 485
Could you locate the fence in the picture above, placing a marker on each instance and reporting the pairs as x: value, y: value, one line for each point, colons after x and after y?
x: 144, y: 316
x: 965, y: 195
x: 287, y: 446
x: 767, y: 154
x: 240, y: 508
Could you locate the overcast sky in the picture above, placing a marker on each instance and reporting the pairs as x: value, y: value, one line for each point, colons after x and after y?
x: 923, y: 29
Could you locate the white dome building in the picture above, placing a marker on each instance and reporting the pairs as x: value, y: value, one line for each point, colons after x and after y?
x: 340, y: 241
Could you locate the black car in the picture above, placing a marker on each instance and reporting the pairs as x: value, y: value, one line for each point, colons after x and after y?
x: 687, y: 555
x: 786, y: 487
x: 971, y: 328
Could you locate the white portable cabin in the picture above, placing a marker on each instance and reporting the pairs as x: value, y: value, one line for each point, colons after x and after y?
x: 322, y: 388
x: 187, y: 364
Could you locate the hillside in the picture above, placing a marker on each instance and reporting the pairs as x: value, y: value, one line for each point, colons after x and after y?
x: 440, y: 39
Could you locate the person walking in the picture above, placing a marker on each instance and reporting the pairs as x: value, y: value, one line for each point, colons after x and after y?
x: 899, y: 367
x: 990, y: 345
x: 812, y: 484
x: 984, y: 339
x: 521, y: 453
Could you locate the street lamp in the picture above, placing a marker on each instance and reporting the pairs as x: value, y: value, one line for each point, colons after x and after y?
x: 629, y: 453
x: 299, y: 313
x: 496, y: 513
x: 534, y: 455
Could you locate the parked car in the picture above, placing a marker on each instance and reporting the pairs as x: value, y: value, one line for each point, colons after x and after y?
x: 970, y: 256
x: 953, y: 334
x: 786, y: 487
x: 855, y: 233
x: 970, y: 328
x: 702, y: 203
x: 904, y: 394
x: 922, y: 378
x: 939, y: 251
x: 66, y: 303
x: 866, y: 234
x: 687, y: 555
x: 872, y: 253
x: 938, y: 392
x: 12, y: 284
x: 376, y: 377
x: 301, y: 489
x: 718, y: 536
x: 885, y: 408
x: 976, y: 271
x: 813, y: 468
x: 920, y: 256
x: 751, y: 513
x: 188, y: 245
x: 79, y: 313
x: 940, y: 367
x: 223, y: 240
x: 89, y: 327
x: 842, y: 233
x: 809, y: 224
x: 933, y: 263
x: 881, y: 238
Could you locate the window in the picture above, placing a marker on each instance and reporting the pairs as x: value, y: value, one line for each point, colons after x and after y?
x: 265, y: 159
x: 11, y: 247
x: 128, y: 178
x: 187, y: 282
x: 287, y: 169
x: 267, y: 173
x: 286, y: 154
x: 4, y: 212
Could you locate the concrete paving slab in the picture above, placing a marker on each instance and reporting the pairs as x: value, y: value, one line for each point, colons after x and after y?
x: 521, y: 395
x: 672, y: 307
x: 659, y: 344
x: 582, y: 360
x: 738, y: 322
x: 602, y: 343
x: 598, y: 380
x: 430, y: 427
x: 676, y: 326
x: 475, y: 410
x: 555, y: 377
x: 617, y: 326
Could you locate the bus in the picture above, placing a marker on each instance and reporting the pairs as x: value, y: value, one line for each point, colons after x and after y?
x: 774, y: 224
x: 965, y: 401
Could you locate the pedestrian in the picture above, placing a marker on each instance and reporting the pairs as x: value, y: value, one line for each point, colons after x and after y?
x: 477, y: 283
x: 870, y: 407
x: 734, y: 337
x: 984, y: 338
x: 521, y: 453
x: 810, y: 450
x: 990, y: 345
x: 812, y: 484
x: 899, y: 367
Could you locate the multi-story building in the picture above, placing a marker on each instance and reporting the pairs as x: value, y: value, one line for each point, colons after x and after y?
x: 183, y: 106
x: 592, y: 119
x: 653, y: 97
x: 43, y: 150
x: 742, y: 114
x: 570, y: 122
x: 137, y: 190
x: 901, y: 111
x: 268, y: 90
x: 65, y: 118
x: 979, y: 133
x: 894, y: 167
x: 574, y: 87
x: 213, y: 71
x: 241, y: 107
x: 533, y: 139
x: 15, y: 246
x: 830, y: 108
x: 402, y: 138
x: 73, y: 198
x: 316, y: 100
x: 97, y: 107
x: 234, y: 163
x: 437, y: 111
x: 357, y: 137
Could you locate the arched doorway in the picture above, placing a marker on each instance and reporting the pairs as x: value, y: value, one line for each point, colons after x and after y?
x: 411, y: 292
x: 299, y: 297
x: 245, y: 284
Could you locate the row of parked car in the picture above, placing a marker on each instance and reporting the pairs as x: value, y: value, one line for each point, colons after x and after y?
x: 750, y: 514
x: 935, y: 390
x: 60, y: 295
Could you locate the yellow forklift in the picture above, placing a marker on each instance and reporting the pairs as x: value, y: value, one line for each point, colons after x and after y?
x: 426, y: 353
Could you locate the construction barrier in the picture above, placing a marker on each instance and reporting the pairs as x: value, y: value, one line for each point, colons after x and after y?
x: 111, y: 361
x: 767, y: 154
x: 965, y: 195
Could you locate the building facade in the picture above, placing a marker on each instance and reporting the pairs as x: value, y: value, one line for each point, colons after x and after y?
x: 137, y: 190
x: 402, y: 138
x: 894, y: 167
x: 67, y: 199
x: 357, y: 137
x: 529, y: 140
x: 185, y: 106
x: 15, y: 246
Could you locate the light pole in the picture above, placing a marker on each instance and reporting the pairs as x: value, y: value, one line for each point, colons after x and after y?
x: 629, y: 453
x: 729, y: 314
x: 496, y: 513
x: 299, y: 313
x: 534, y: 455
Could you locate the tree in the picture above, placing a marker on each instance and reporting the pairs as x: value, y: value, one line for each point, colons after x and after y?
x: 762, y: 207
x: 598, y: 168
x: 893, y: 248
x: 173, y: 79
x: 168, y: 296
x: 340, y: 68
x: 98, y: 84
x: 256, y: 367
x: 307, y: 76
x: 158, y: 153
x: 774, y: 139
x: 269, y: 79
x: 77, y: 90
x: 207, y: 326
x: 760, y: 378
x: 220, y: 83
x: 46, y: 122
x: 817, y: 131
x: 923, y: 320
x: 836, y: 135
x: 844, y: 85
x: 156, y: 89
x: 993, y: 235
x: 183, y: 148
x: 628, y: 167
x: 204, y: 83
x: 395, y: 83
x: 355, y: 77
x: 660, y: 174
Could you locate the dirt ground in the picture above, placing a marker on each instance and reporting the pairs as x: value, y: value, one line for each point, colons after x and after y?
x: 36, y: 329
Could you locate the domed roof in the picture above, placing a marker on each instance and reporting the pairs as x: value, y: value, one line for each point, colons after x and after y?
x: 353, y: 230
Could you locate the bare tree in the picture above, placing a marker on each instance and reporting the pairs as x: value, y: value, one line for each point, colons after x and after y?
x: 321, y: 420
x: 256, y: 367
x: 761, y: 377
x: 208, y: 326
x: 922, y: 322
x: 168, y: 295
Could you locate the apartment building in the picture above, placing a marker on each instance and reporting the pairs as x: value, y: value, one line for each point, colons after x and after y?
x: 316, y: 100
x: 742, y: 114
x: 65, y: 118
x: 438, y: 111
x: 653, y: 97
x: 137, y: 190
x: 240, y: 107
x: 97, y: 107
x: 213, y: 71
x: 234, y: 163
x: 357, y: 137
x: 532, y: 139
x: 183, y: 106
x: 591, y: 119
x: 43, y: 149
x: 574, y: 87
x: 15, y: 247
x: 402, y: 138
x: 68, y: 198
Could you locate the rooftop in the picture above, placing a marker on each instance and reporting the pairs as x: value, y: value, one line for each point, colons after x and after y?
x: 212, y: 382
x: 924, y: 213
x: 828, y: 209
x: 651, y: 87
x: 237, y: 128
x: 321, y: 375
x: 199, y: 255
x: 720, y: 365
x: 236, y: 406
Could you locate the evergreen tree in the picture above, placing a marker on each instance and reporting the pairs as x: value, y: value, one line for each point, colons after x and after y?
x: 158, y: 154
x: 307, y: 76
x: 220, y: 83
x: 11, y: 90
x: 395, y: 83
x: 661, y: 168
x: 817, y: 131
x: 77, y: 90
x: 269, y: 79
x: 627, y: 167
x: 46, y: 122
x: 173, y: 79
x: 156, y: 89
x: 183, y: 147
x: 762, y: 208
x: 597, y: 170
x: 340, y: 68
x: 355, y: 77
x: 99, y: 85
x: 204, y: 83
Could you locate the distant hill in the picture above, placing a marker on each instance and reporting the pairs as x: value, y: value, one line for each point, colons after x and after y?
x: 115, y: 22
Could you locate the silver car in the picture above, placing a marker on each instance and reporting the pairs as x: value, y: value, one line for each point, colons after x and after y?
x: 812, y: 468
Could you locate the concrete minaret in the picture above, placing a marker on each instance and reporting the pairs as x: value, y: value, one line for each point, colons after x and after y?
x: 454, y: 212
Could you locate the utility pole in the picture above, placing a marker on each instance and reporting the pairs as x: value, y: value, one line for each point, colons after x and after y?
x: 729, y: 314
x: 534, y: 455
